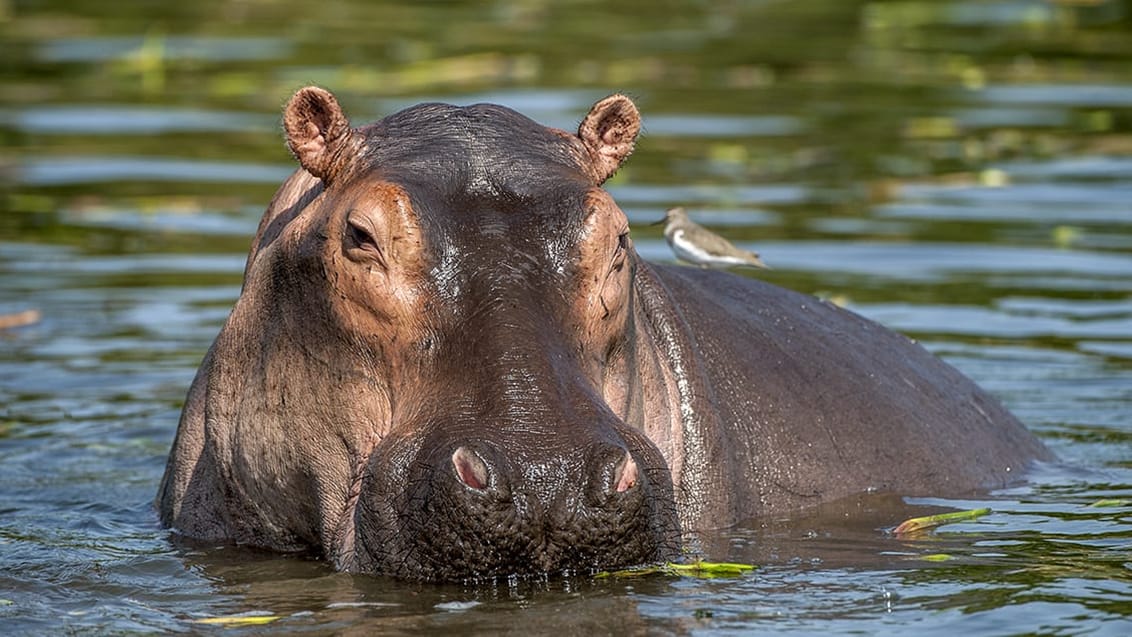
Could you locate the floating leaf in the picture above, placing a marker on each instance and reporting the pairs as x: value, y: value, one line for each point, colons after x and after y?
x: 638, y: 571
x: 1111, y: 502
x: 699, y: 568
x: 914, y: 525
x: 238, y: 620
x: 696, y: 568
x: 936, y: 557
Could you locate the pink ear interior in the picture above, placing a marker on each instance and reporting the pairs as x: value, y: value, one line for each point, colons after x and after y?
x: 317, y: 131
x: 609, y: 132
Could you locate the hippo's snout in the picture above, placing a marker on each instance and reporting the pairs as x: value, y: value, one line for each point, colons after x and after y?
x: 612, y: 471
x: 476, y: 511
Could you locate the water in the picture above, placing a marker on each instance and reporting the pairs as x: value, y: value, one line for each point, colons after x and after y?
x: 960, y: 171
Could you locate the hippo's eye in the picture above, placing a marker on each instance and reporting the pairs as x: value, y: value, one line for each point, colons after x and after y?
x: 360, y: 239
x: 622, y: 249
x: 623, y: 241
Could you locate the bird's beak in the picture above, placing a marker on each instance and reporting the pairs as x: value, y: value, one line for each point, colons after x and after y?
x: 659, y: 221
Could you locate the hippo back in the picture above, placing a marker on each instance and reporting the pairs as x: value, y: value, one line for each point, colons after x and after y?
x: 802, y: 401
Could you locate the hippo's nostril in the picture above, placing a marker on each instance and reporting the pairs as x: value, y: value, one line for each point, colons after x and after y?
x: 615, y: 473
x: 470, y: 468
x: 625, y: 475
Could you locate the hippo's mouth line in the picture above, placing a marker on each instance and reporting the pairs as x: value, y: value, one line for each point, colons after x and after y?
x: 343, y: 552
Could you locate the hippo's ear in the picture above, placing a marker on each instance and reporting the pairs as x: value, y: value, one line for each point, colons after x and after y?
x: 608, y: 133
x: 318, y: 133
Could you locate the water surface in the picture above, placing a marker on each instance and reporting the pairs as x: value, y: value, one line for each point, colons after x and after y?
x: 959, y: 171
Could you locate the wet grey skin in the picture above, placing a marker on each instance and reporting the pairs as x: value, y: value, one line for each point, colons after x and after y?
x: 695, y: 244
x: 449, y: 363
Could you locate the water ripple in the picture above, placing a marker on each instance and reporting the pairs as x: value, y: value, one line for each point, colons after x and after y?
x: 57, y: 171
x: 1090, y: 95
x: 93, y: 119
x: 186, y: 47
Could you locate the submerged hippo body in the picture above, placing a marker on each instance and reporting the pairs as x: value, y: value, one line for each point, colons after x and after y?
x: 448, y: 362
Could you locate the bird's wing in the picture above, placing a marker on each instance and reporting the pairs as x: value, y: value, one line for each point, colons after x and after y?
x: 712, y: 243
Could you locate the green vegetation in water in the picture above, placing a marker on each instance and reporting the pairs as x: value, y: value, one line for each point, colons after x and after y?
x: 237, y: 620
x: 1066, y: 237
x: 915, y: 525
x: 1111, y: 502
x: 697, y: 568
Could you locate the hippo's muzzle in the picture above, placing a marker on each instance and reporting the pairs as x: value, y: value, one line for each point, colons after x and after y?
x: 466, y: 509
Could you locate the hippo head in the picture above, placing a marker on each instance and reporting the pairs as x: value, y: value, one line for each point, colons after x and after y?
x: 433, y: 342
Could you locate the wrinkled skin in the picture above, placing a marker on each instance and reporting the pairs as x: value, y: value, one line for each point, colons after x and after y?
x: 448, y: 362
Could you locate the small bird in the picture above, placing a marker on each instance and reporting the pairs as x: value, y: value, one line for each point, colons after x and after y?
x: 697, y: 245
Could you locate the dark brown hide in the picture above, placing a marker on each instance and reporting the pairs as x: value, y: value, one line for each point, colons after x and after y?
x: 448, y: 362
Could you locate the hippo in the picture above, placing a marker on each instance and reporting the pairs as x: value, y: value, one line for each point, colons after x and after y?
x: 447, y: 362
